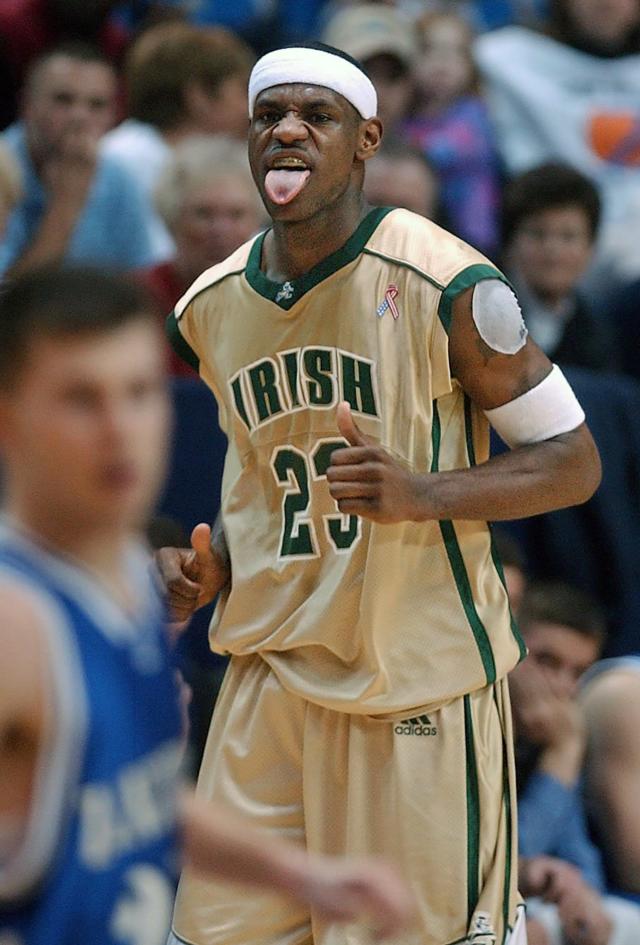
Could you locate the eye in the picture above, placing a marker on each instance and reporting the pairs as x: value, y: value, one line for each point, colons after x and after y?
x: 63, y: 98
x: 80, y: 397
x: 319, y: 118
x: 270, y: 117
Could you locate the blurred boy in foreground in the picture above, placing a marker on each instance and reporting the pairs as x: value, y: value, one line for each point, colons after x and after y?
x: 89, y: 727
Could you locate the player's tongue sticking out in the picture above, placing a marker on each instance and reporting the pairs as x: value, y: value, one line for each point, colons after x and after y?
x: 283, y: 185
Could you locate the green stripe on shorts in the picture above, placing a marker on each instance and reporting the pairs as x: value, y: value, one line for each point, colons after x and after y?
x: 473, y: 814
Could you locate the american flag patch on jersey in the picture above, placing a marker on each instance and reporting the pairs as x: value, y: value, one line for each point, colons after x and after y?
x: 389, y: 302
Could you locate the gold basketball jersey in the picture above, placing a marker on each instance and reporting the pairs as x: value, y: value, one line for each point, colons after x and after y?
x: 350, y: 614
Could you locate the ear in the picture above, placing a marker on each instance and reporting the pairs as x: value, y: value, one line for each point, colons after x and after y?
x: 369, y: 139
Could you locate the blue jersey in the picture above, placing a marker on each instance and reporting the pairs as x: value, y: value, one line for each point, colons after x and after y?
x: 97, y: 858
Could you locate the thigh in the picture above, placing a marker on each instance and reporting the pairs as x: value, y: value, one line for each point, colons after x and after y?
x: 432, y: 793
x: 251, y: 765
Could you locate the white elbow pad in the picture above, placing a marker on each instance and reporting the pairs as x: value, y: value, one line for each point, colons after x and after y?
x: 548, y: 409
x: 498, y: 317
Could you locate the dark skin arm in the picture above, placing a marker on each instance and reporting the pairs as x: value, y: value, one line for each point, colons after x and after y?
x: 365, y: 480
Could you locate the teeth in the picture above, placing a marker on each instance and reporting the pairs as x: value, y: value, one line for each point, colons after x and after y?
x: 289, y: 162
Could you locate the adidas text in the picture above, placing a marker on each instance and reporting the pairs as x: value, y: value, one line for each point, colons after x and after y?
x: 418, y: 726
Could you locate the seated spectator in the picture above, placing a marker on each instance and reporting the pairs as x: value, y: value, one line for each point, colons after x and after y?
x: 382, y: 39
x: 450, y: 123
x: 611, y: 701
x: 77, y: 205
x: 564, y: 631
x: 571, y: 94
x: 10, y: 186
x: 550, y: 219
x: 210, y: 205
x: 181, y: 81
x: 401, y: 176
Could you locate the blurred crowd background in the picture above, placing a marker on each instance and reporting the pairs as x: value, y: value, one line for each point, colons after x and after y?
x: 513, y: 123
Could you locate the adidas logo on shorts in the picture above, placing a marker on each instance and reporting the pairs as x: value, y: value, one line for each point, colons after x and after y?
x: 418, y: 726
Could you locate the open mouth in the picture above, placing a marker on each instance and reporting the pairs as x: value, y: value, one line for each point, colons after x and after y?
x: 286, y: 178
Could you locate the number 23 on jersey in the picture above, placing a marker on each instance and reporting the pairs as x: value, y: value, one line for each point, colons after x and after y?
x: 295, y: 471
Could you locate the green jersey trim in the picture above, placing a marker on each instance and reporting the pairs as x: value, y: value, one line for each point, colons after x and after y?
x: 495, y: 557
x: 179, y: 344
x: 510, y: 827
x: 464, y: 280
x: 515, y: 629
x: 404, y: 265
x: 473, y: 814
x: 456, y: 562
x: 286, y: 294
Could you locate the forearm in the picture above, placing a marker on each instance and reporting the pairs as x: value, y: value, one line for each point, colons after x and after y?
x: 527, y: 481
x: 51, y: 241
x: 216, y: 842
x: 563, y: 761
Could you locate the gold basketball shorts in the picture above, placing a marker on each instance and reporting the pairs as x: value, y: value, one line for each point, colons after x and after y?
x: 433, y: 793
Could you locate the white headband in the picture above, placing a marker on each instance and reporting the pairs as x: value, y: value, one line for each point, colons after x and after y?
x: 313, y: 67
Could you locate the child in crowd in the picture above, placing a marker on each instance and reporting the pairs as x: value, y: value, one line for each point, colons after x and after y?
x: 550, y: 219
x: 451, y: 126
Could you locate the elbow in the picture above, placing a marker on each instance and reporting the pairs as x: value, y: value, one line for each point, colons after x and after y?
x: 586, y: 466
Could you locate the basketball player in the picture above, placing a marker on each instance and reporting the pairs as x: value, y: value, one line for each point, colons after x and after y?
x: 358, y: 357
x: 89, y: 728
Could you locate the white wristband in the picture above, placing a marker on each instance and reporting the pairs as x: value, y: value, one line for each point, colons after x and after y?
x: 548, y: 409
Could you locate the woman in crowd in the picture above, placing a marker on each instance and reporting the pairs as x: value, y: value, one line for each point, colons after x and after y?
x: 209, y: 203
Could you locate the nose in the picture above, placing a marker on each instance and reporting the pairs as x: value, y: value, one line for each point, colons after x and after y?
x: 566, y: 684
x: 79, y: 115
x: 290, y: 128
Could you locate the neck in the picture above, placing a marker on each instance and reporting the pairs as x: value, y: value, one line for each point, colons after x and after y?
x: 186, y: 273
x: 99, y: 549
x: 554, y: 301
x: 292, y: 249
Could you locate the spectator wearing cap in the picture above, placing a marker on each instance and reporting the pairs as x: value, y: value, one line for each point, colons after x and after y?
x: 77, y: 205
x: 382, y: 39
x: 450, y: 123
x: 182, y: 80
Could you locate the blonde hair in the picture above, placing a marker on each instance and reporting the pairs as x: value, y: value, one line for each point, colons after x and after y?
x: 196, y: 161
